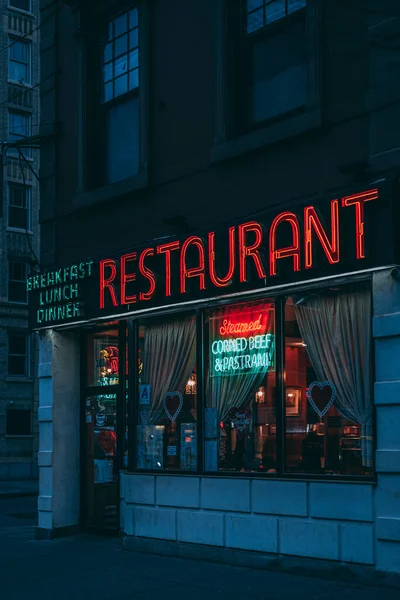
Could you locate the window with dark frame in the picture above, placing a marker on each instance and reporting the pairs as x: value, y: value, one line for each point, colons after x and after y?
x: 19, y: 127
x: 18, y: 421
x: 19, y: 202
x: 18, y: 354
x: 25, y: 5
x: 17, y: 276
x: 326, y: 399
x: 120, y: 85
x: 19, y: 61
x: 271, y: 61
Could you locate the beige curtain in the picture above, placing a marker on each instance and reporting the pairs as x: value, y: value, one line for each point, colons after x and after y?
x: 168, y: 361
x: 337, y: 331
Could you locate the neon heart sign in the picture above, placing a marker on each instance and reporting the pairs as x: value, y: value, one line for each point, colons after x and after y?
x: 321, y: 395
x: 173, y: 402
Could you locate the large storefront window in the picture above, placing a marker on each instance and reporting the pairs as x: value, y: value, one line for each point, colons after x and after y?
x: 240, y: 413
x: 329, y: 409
x: 167, y: 413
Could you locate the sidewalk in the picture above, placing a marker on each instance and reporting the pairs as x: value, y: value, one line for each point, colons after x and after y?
x: 83, y: 567
x: 19, y: 489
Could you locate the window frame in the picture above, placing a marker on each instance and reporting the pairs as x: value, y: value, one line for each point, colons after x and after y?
x: 12, y: 43
x: 201, y: 357
x: 231, y: 137
x: 27, y: 197
x: 11, y: 264
x: 29, y: 11
x: 27, y: 374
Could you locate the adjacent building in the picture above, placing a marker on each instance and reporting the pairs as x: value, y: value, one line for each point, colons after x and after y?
x: 218, y: 303
x: 19, y: 119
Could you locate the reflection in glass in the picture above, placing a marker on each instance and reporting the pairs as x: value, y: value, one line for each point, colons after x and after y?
x: 328, y: 382
x: 240, y: 414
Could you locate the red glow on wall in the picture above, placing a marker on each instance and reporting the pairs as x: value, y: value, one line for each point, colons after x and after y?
x: 358, y: 200
x: 252, y: 250
x: 148, y: 274
x: 294, y: 250
x: 127, y: 277
x: 216, y: 280
x: 167, y: 249
x: 312, y: 222
x: 106, y: 282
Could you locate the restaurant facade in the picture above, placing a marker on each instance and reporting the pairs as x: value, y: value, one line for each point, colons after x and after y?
x: 221, y: 389
x: 217, y: 301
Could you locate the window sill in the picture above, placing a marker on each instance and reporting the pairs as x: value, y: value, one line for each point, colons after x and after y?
x: 18, y: 304
x: 282, y: 130
x: 14, y: 436
x: 110, y: 191
x: 18, y: 379
x: 18, y: 230
x: 28, y: 86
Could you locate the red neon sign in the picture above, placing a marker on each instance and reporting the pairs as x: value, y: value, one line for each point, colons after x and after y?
x: 245, y: 250
x: 229, y: 328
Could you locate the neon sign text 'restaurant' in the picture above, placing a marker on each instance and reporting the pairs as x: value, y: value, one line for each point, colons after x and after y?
x: 247, y: 246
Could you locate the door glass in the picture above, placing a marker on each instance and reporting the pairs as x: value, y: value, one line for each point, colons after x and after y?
x: 103, y: 358
x: 101, y: 457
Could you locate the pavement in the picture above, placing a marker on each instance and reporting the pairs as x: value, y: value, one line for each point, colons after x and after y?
x: 14, y: 489
x: 82, y: 567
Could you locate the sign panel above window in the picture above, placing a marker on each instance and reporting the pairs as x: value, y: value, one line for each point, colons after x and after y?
x: 329, y: 236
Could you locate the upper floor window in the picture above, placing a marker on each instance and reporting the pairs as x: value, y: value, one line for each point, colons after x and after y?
x: 19, y: 63
x: 263, y: 12
x: 17, y: 275
x: 21, y: 4
x: 18, y: 354
x: 19, y: 127
x: 119, y: 103
x: 272, y: 63
x: 19, y: 201
x: 121, y: 56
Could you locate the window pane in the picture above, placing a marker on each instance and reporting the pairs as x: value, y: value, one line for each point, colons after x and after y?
x: 134, y: 79
x: 121, y: 45
x: 275, y: 11
x: 167, y: 430
x: 133, y: 18
x: 18, y: 422
x: 108, y: 91
x: 17, y: 217
x: 240, y: 415
x: 133, y: 39
x: 294, y: 5
x: 133, y: 59
x: 255, y: 20
x: 16, y: 365
x: 17, y: 344
x: 328, y: 374
x: 120, y: 65
x: 121, y: 24
x: 279, y: 85
x: 123, y: 141
x: 120, y: 85
x: 22, y: 4
x: 18, y: 72
x: 107, y: 53
x: 253, y: 4
x: 108, y: 71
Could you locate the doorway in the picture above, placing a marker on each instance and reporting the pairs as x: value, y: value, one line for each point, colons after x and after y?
x: 103, y: 418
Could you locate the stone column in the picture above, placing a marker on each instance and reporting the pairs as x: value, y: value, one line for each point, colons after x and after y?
x: 386, y: 331
x: 59, y: 433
